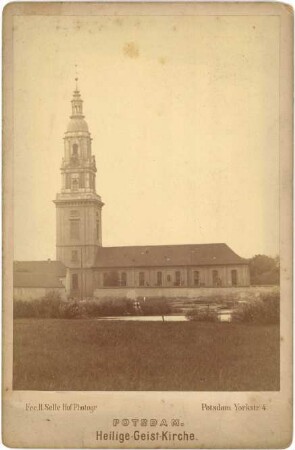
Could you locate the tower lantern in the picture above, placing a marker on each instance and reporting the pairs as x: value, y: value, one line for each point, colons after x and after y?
x: 77, y: 103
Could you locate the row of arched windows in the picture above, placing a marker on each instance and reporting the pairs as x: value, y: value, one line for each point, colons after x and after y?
x: 117, y: 278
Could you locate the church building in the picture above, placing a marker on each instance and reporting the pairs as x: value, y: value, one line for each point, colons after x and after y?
x: 94, y: 267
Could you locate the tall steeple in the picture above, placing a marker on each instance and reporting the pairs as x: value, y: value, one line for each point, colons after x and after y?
x: 78, y: 165
x: 78, y: 206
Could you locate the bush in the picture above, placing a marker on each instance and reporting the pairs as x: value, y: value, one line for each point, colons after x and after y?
x: 91, y: 308
x: 71, y: 310
x: 114, y: 307
x: 202, y: 315
x: 155, y: 306
x: 265, y: 310
x: 46, y: 307
x: 23, y: 309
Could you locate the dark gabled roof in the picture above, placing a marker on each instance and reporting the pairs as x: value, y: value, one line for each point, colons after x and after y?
x: 167, y: 255
x: 46, y: 274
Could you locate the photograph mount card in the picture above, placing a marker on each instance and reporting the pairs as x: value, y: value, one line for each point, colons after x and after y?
x: 147, y: 225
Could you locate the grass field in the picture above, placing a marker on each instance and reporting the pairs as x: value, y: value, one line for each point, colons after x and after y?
x: 53, y: 354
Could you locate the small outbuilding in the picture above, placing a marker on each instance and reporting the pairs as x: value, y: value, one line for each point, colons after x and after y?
x: 34, y: 279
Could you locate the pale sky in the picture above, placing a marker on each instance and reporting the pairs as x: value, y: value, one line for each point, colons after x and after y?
x: 183, y: 112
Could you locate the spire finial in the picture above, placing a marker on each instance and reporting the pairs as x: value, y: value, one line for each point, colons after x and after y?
x: 76, y: 78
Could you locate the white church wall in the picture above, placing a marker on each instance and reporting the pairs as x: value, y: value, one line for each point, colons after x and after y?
x: 183, y: 292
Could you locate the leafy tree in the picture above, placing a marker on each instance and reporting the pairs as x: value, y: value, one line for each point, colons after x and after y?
x: 264, y: 270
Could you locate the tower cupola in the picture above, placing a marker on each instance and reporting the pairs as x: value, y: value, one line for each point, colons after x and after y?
x: 77, y: 121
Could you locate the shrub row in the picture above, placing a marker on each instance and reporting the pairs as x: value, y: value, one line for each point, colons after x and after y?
x: 52, y: 306
x: 263, y: 310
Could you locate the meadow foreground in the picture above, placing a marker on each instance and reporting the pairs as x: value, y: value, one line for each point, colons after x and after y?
x: 56, y: 354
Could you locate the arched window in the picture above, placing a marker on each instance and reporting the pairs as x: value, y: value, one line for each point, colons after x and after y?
x: 234, y: 277
x: 141, y: 278
x: 123, y: 278
x: 75, y: 281
x: 177, y: 278
x: 75, y: 150
x: 75, y: 184
x: 196, y: 278
x: 215, y: 277
x: 111, y: 279
x: 159, y: 279
x: 74, y: 229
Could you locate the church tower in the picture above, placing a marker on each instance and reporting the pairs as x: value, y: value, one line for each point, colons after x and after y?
x: 78, y: 207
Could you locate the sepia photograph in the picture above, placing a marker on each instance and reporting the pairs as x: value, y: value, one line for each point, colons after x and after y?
x: 146, y: 201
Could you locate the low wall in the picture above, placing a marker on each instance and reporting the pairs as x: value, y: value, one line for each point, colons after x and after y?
x: 185, y: 293
x: 30, y: 294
